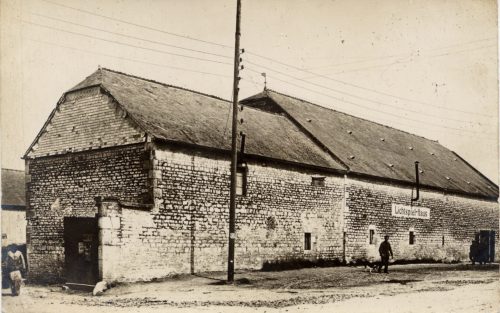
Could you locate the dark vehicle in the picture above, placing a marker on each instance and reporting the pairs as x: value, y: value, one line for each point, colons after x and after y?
x: 482, y: 249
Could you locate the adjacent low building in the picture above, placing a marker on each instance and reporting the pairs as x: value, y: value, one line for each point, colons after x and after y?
x: 13, y: 215
x: 13, y: 208
x: 129, y: 180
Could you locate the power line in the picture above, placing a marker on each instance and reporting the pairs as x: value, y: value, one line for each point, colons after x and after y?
x: 359, y: 61
x: 458, y: 132
x: 399, y: 62
x: 129, y: 45
x: 131, y: 60
x: 364, y: 88
x: 249, y: 79
x: 139, y: 25
x: 352, y: 95
x: 368, y: 108
x: 460, y: 51
x: 408, y: 54
x: 267, y: 58
x: 132, y: 37
x: 361, y: 69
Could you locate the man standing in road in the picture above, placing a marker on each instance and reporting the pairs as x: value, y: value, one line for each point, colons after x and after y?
x: 385, y: 250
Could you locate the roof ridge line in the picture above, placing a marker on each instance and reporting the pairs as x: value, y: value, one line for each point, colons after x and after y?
x: 362, y: 118
x: 164, y: 84
x: 311, y: 136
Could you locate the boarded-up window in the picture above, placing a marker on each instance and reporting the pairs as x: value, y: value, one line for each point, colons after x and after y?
x: 318, y: 181
x: 412, y: 237
x: 307, y: 241
x: 271, y: 223
x: 241, y: 182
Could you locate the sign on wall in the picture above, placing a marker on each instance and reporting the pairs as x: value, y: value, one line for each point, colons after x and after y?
x: 401, y: 210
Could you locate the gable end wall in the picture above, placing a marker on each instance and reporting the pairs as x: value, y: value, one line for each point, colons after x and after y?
x: 66, y: 185
x: 86, y: 119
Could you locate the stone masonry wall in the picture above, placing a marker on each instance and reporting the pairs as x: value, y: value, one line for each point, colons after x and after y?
x: 188, y: 230
x: 185, y: 227
x: 453, y: 220
x: 86, y: 119
x: 66, y: 185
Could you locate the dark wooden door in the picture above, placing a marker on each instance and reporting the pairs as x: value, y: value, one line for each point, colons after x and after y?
x: 492, y: 246
x: 487, y: 245
x: 81, y: 251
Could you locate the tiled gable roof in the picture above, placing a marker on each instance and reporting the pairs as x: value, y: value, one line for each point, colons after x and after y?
x: 377, y: 150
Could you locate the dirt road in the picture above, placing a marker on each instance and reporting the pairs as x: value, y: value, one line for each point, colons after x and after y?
x: 409, y: 288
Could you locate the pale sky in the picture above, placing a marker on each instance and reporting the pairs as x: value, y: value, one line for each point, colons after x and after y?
x: 427, y: 67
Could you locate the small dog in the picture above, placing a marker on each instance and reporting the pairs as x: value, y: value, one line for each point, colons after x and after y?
x: 370, y: 265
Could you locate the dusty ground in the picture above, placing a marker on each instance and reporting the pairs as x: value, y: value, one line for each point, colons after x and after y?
x: 408, y: 288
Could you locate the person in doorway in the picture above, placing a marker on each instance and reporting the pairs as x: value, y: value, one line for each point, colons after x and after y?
x: 15, y: 264
x: 385, y: 251
x: 473, y: 252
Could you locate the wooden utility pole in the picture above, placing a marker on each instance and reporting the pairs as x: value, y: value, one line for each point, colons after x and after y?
x: 234, y: 152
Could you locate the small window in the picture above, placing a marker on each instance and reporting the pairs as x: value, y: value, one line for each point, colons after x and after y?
x: 412, y: 237
x: 241, y: 182
x: 307, y: 241
x: 4, y: 236
x: 372, y: 236
x: 318, y: 181
x: 442, y: 242
x: 271, y: 223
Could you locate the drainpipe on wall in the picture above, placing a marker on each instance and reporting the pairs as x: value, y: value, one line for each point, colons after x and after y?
x: 417, y: 183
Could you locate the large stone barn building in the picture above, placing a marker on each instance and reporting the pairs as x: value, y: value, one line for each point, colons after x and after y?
x: 129, y: 180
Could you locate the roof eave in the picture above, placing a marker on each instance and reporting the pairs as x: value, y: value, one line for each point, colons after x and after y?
x: 489, y: 197
x: 250, y: 156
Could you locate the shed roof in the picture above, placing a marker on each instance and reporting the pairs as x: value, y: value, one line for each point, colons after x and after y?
x: 177, y: 114
x: 374, y: 149
x: 13, y: 188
